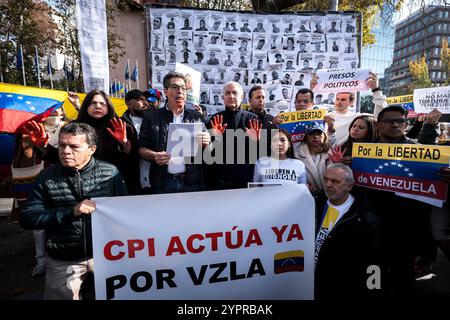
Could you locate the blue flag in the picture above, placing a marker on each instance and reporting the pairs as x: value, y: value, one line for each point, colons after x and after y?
x: 127, y: 72
x: 69, y: 74
x: 135, y: 74
x: 49, y: 65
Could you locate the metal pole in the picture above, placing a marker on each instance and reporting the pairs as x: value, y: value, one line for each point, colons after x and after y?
x: 129, y: 75
x: 23, y: 66
x: 137, y: 78
x: 334, y: 5
x: 38, y: 71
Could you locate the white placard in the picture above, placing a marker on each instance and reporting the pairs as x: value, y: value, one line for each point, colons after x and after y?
x: 349, y: 80
x: 206, y: 245
x: 182, y: 139
x: 92, y: 36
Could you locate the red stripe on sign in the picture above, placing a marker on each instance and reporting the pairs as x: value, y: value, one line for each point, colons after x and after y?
x: 428, y: 188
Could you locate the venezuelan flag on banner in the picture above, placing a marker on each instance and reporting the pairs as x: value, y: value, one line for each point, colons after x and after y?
x: 406, y: 102
x: 19, y: 104
x: 297, y: 122
x: 289, y: 261
x: 406, y: 168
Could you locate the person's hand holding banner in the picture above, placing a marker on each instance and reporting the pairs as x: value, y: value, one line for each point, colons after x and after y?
x: 217, y: 125
x: 37, y: 134
x: 254, y: 130
x: 372, y: 81
x: 433, y: 117
x: 329, y: 120
x: 161, y: 158
x: 203, y: 139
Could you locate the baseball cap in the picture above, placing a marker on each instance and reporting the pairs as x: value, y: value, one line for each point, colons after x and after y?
x: 152, y: 95
x: 134, y: 94
x: 313, y: 127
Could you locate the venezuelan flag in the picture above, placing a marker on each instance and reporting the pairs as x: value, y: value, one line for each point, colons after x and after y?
x: 289, y: 261
x: 19, y: 104
x: 297, y: 122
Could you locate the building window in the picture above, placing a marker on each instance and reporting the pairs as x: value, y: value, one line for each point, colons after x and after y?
x: 438, y: 39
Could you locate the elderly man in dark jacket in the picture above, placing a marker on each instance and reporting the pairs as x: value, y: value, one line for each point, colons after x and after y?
x: 349, y: 244
x: 61, y: 204
x: 234, y: 172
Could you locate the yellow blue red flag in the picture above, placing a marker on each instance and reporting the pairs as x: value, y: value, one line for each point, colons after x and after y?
x: 297, y: 122
x: 19, y: 104
x: 289, y: 261
x: 405, y: 168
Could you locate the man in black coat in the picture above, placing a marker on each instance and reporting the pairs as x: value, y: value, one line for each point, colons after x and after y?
x: 230, y: 127
x: 61, y: 204
x: 169, y: 174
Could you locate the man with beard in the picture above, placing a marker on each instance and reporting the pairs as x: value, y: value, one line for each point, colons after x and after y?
x: 135, y: 166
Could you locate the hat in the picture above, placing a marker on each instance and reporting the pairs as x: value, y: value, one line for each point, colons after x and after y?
x: 152, y: 95
x: 315, y: 126
x: 134, y: 94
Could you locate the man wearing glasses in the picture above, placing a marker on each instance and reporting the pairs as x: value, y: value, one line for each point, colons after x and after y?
x: 170, y: 174
x: 403, y: 217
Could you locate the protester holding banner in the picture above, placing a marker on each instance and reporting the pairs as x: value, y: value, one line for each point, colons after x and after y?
x: 168, y: 175
x: 281, y: 166
x: 349, y: 240
x: 314, y: 151
x: 233, y: 121
x: 60, y: 203
x: 342, y: 116
x: 409, y: 241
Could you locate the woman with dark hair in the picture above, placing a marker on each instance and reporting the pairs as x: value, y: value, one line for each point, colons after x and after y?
x: 98, y: 111
x: 281, y: 166
x: 362, y: 129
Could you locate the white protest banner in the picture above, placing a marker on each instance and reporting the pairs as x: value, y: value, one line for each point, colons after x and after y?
x: 350, y: 80
x: 206, y: 245
x: 193, y: 78
x: 91, y: 22
x: 425, y: 100
x: 182, y: 139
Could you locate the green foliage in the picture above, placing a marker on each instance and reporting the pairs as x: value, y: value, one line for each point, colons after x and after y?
x: 420, y: 74
x: 445, y: 58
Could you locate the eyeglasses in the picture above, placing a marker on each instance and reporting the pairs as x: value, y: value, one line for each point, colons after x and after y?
x: 103, y: 104
x: 302, y: 100
x: 391, y: 121
x: 177, y: 87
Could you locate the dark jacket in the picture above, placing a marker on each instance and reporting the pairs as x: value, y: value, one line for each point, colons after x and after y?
x: 55, y: 193
x: 130, y: 164
x: 266, y: 119
x: 354, y: 243
x: 237, y: 175
x: 407, y: 230
x: 153, y: 135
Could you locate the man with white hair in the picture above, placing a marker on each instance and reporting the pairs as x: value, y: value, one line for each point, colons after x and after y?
x: 349, y: 240
x: 234, y: 121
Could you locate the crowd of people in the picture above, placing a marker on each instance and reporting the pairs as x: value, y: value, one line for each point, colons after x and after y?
x: 100, y: 154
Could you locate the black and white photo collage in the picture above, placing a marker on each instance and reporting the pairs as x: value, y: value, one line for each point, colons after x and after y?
x: 280, y: 52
